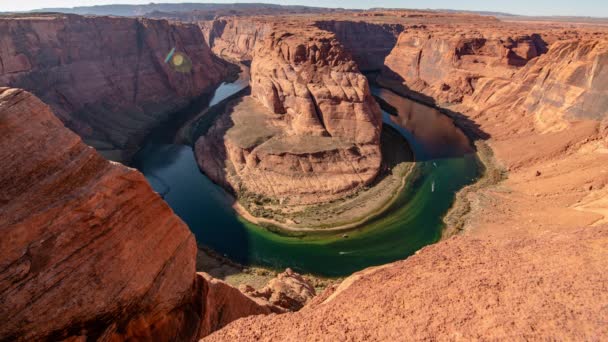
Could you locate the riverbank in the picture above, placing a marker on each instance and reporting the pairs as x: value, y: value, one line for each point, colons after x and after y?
x: 235, y: 274
x: 492, y: 173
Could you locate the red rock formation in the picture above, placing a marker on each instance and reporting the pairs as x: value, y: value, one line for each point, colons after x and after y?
x: 368, y: 43
x: 318, y: 136
x: 224, y: 304
x: 235, y: 38
x: 569, y: 83
x: 106, y: 78
x: 549, y: 287
x: 88, y: 250
x: 443, y: 67
x: 289, y: 290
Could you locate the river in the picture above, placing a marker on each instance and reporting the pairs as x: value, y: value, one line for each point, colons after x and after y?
x: 446, y: 163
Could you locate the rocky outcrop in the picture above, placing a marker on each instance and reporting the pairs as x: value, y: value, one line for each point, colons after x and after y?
x: 310, y: 132
x: 436, y: 66
x: 88, y: 250
x: 224, y: 304
x: 289, y: 290
x: 462, y: 288
x: 368, y: 43
x: 106, y: 78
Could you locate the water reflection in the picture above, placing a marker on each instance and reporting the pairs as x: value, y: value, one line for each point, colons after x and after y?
x: 432, y: 134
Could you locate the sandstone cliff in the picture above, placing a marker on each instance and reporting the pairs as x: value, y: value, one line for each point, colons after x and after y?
x: 106, y: 78
x: 443, y: 67
x: 234, y: 38
x: 569, y: 83
x: 88, y: 250
x: 310, y: 131
x: 368, y: 43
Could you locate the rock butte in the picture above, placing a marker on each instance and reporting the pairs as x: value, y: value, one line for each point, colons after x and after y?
x: 317, y: 134
x: 89, y: 250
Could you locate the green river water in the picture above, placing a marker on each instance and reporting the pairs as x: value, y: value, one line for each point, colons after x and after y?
x: 446, y: 163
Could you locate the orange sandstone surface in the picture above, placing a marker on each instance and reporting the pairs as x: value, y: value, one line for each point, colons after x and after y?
x: 89, y: 251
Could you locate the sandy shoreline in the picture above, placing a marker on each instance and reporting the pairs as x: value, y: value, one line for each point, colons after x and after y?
x: 241, y: 211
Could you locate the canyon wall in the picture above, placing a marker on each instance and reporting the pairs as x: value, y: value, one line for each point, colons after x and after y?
x: 436, y: 66
x: 569, y: 83
x: 235, y: 38
x: 368, y: 43
x: 310, y: 131
x: 106, y: 78
x: 88, y: 250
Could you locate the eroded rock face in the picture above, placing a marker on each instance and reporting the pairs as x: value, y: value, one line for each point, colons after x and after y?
x: 224, y: 304
x: 368, y: 43
x: 569, y: 83
x: 106, y: 78
x: 289, y: 290
x: 88, y: 250
x: 234, y: 39
x: 310, y: 132
x: 436, y: 66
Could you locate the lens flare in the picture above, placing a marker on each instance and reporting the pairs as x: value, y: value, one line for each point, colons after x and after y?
x: 179, y: 61
x: 169, y: 55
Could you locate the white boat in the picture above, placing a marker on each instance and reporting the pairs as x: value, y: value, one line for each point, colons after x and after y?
x: 433, y: 187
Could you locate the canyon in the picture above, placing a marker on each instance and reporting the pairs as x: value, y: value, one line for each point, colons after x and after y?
x: 129, y: 88
x: 89, y: 250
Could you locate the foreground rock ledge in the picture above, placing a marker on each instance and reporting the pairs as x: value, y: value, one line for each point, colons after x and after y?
x: 88, y: 250
x: 551, y: 287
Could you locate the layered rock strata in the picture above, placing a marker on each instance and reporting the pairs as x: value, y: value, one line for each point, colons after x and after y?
x: 310, y: 132
x: 368, y: 43
x: 441, y: 67
x: 107, y: 78
x: 88, y: 250
x: 234, y: 38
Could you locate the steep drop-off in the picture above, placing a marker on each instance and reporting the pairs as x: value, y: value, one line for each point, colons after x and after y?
x: 106, y: 78
x: 87, y: 247
x: 235, y: 38
x: 443, y: 67
x: 88, y: 250
x: 368, y: 43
